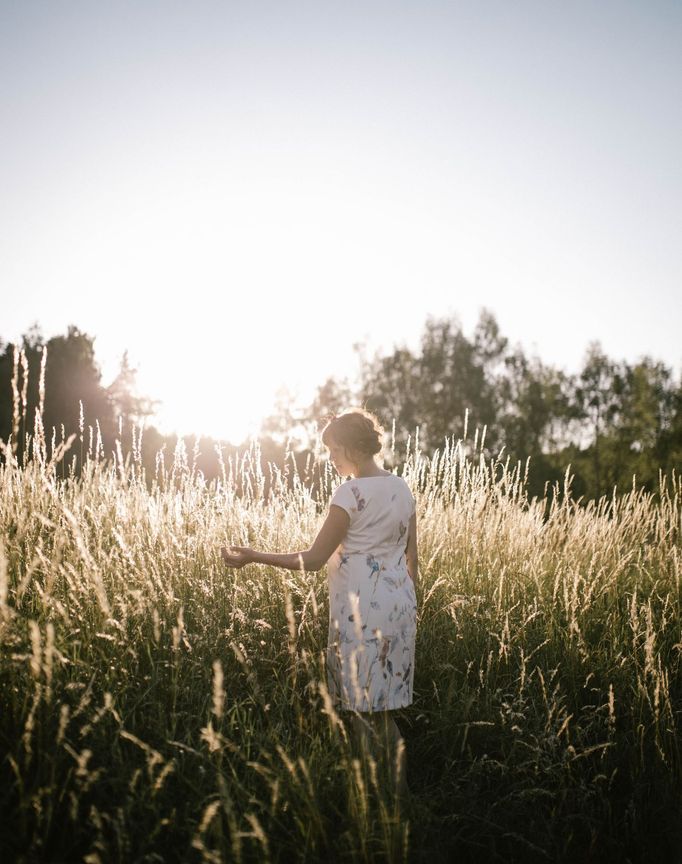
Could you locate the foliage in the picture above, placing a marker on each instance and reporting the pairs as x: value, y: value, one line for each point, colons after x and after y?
x: 608, y: 423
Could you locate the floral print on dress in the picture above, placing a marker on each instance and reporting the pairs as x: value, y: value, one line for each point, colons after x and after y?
x: 358, y: 497
x: 374, y: 672
x: 373, y: 565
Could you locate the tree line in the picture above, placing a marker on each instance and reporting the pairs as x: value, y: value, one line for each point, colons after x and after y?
x: 613, y: 422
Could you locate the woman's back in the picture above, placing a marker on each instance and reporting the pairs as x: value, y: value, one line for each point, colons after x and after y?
x: 372, y: 602
x: 380, y: 508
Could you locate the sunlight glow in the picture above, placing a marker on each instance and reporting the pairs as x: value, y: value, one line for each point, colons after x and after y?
x: 238, y: 194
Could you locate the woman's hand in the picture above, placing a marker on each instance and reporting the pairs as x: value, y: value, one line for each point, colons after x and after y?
x: 237, y: 556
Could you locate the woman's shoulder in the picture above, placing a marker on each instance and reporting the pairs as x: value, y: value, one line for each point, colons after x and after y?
x: 407, y: 488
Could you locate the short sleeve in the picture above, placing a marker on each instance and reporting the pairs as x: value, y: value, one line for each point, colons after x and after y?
x: 344, y: 498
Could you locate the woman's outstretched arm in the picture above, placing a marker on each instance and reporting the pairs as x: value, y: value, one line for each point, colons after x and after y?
x: 327, y: 541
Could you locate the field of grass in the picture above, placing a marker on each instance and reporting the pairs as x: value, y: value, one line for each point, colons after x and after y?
x: 158, y: 707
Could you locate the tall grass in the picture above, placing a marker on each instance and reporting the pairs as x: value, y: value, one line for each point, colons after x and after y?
x: 156, y: 706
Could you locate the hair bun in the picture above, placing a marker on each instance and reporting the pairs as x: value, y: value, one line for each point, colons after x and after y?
x: 356, y: 429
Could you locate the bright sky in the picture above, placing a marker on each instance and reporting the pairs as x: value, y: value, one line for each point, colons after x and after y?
x: 238, y: 192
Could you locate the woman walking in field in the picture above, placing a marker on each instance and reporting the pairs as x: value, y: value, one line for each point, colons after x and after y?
x: 369, y: 540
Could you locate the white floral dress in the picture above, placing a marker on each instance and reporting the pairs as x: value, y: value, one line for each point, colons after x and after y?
x: 372, y: 601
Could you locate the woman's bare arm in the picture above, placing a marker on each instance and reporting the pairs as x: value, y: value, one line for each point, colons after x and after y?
x: 331, y: 534
x: 411, y: 550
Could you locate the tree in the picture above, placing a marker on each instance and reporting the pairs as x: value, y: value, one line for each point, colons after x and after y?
x: 668, y: 451
x: 534, y: 400
x: 390, y: 388
x: 72, y: 378
x: 332, y: 397
x: 435, y: 388
x: 288, y: 422
x: 598, y: 395
x: 125, y: 401
x: 646, y: 415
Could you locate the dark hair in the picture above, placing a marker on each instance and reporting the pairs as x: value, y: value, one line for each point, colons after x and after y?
x: 356, y: 429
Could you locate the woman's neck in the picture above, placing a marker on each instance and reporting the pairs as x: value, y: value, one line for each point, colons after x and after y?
x: 368, y: 468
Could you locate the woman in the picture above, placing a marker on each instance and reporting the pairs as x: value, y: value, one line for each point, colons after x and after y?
x: 369, y: 539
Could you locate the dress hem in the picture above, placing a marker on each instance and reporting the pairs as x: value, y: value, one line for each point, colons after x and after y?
x: 344, y: 707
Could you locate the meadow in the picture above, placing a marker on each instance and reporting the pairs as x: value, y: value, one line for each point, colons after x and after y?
x: 158, y: 707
